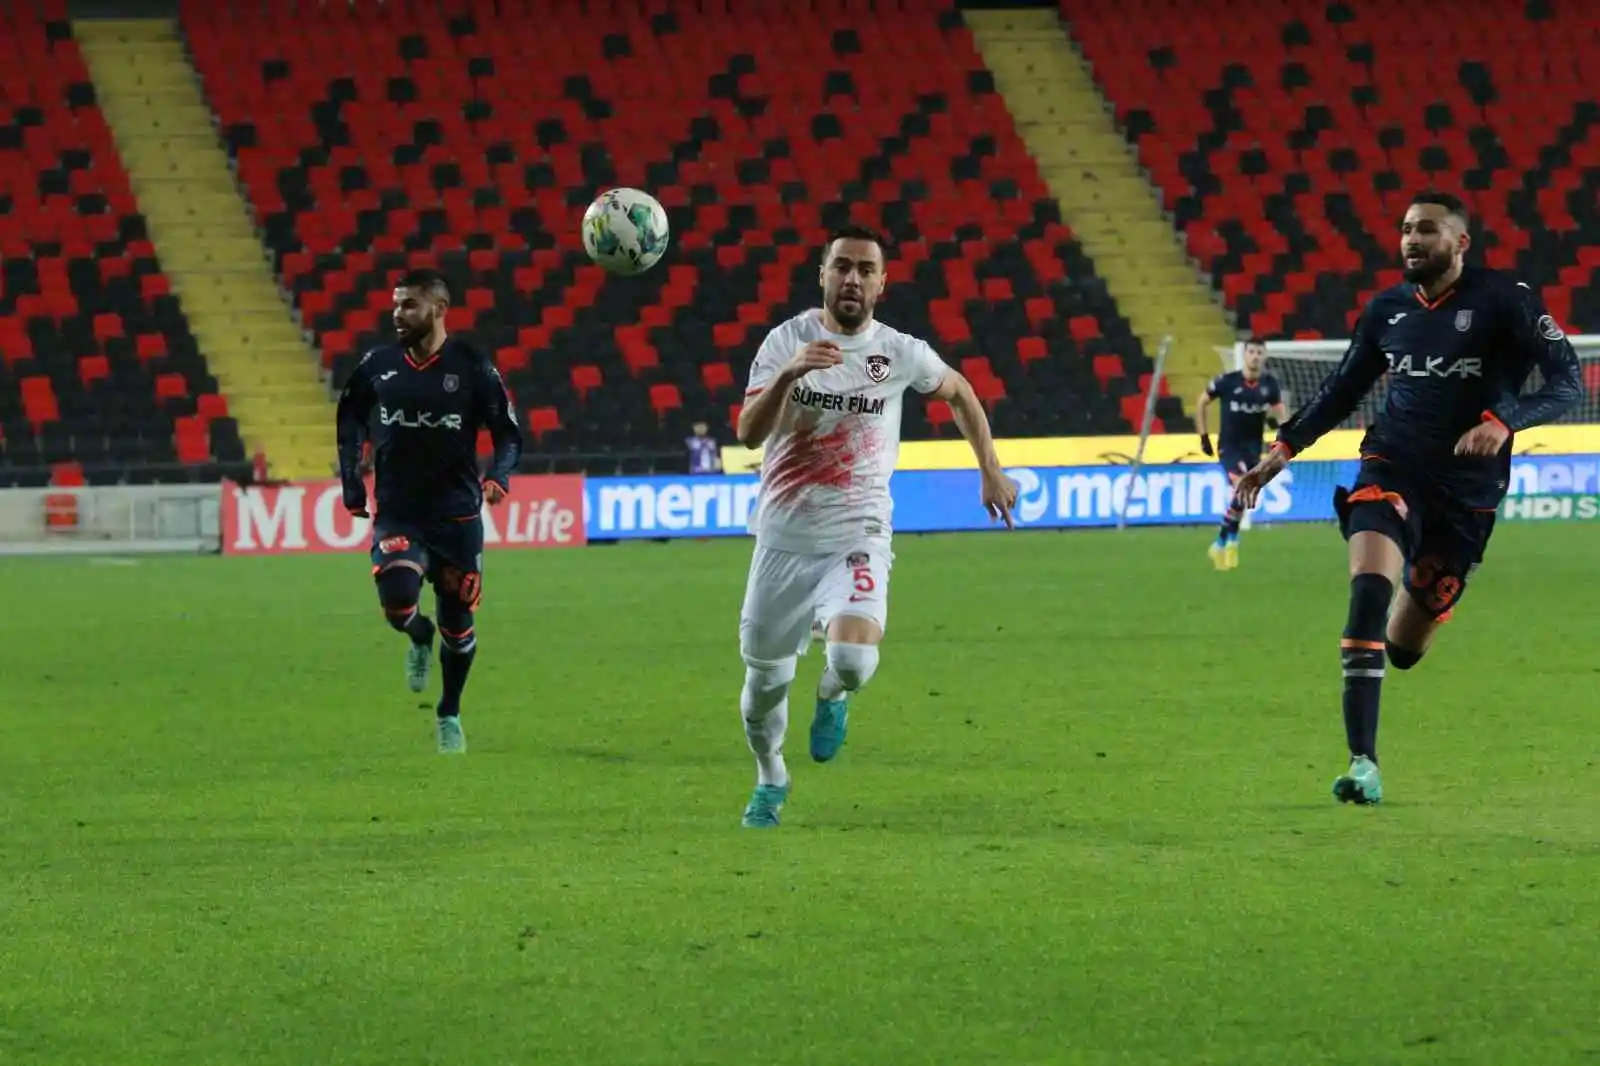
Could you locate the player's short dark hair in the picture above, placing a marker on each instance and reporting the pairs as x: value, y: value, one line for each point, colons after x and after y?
x: 429, y: 281
x: 855, y: 232
x: 1255, y: 340
x: 1451, y: 203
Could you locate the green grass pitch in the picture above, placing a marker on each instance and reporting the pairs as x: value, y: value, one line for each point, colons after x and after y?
x: 1083, y: 817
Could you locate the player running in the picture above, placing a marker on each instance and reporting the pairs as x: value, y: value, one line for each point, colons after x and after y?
x: 1250, y: 400
x: 824, y: 396
x: 431, y: 394
x: 1458, y: 343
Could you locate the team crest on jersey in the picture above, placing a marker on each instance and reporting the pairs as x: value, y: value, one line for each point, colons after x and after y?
x: 1463, y: 321
x: 857, y: 559
x: 451, y: 383
x: 878, y: 368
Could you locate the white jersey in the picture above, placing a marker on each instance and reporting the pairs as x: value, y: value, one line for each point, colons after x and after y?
x: 826, y: 468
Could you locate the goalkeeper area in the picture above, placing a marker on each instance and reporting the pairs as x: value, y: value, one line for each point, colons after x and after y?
x: 1083, y: 817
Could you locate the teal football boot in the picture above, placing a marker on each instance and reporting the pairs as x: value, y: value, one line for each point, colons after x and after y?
x: 1360, y: 784
x: 765, y: 803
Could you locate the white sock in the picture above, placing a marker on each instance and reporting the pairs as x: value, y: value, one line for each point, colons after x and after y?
x: 764, y: 705
x: 771, y: 770
x: 850, y: 667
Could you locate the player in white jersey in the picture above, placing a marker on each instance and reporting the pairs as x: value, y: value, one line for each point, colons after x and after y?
x: 824, y: 398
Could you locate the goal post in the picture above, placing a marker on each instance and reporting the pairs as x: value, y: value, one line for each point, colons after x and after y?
x: 1146, y: 423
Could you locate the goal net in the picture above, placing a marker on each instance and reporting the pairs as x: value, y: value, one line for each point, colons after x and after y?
x: 1301, y: 367
x: 110, y: 520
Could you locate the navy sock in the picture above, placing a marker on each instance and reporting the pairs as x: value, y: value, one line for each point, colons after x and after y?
x: 1229, y: 530
x: 456, y: 652
x: 419, y: 629
x: 1363, y: 653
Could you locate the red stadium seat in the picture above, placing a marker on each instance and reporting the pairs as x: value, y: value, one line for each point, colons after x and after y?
x: 96, y: 357
x: 1287, y: 141
x: 543, y: 421
x: 481, y: 166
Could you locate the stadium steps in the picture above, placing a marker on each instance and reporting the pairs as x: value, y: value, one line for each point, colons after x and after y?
x: 203, y: 234
x: 1104, y: 196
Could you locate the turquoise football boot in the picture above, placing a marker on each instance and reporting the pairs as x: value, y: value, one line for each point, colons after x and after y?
x: 452, y: 739
x: 828, y: 727
x: 765, y: 803
x: 1360, y: 784
x: 419, y: 660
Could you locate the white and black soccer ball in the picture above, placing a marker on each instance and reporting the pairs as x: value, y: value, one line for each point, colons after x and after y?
x: 625, y: 231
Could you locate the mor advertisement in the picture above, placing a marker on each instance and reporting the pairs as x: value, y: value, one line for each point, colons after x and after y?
x: 309, y: 516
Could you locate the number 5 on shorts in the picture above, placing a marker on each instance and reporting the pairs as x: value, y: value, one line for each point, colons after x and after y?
x: 862, y: 576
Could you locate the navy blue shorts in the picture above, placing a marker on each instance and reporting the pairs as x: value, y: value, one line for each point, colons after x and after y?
x: 1236, y: 459
x: 448, y: 553
x: 1443, y: 542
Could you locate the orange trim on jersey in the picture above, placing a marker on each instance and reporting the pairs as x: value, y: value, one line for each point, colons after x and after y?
x: 752, y: 392
x: 1490, y: 416
x: 1422, y: 297
x: 1280, y: 446
x: 1364, y: 645
x: 425, y: 364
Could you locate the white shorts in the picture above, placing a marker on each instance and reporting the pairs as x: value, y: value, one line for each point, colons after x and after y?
x: 789, y: 592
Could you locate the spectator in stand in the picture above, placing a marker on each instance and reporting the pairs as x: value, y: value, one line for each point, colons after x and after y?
x: 705, y: 457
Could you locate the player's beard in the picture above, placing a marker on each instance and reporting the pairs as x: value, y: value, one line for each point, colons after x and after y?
x: 1431, y: 269
x: 850, y: 319
x: 416, y: 336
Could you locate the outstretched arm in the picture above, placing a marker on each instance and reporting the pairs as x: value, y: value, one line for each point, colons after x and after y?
x: 497, y: 414
x: 353, y: 415
x: 971, y: 419
x: 1202, y: 406
x: 1341, y: 392
x: 999, y: 491
x: 1536, y: 336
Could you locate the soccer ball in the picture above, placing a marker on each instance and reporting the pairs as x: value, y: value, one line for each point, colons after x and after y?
x: 625, y: 231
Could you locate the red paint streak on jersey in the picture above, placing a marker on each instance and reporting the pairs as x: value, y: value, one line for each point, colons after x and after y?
x: 809, y: 460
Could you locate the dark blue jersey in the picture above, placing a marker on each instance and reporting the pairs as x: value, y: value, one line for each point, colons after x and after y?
x: 1244, y: 404
x: 423, y: 420
x: 1452, y: 363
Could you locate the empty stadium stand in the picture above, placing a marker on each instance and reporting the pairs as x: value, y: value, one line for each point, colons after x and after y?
x: 1287, y: 137
x: 473, y: 142
x: 100, y: 378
